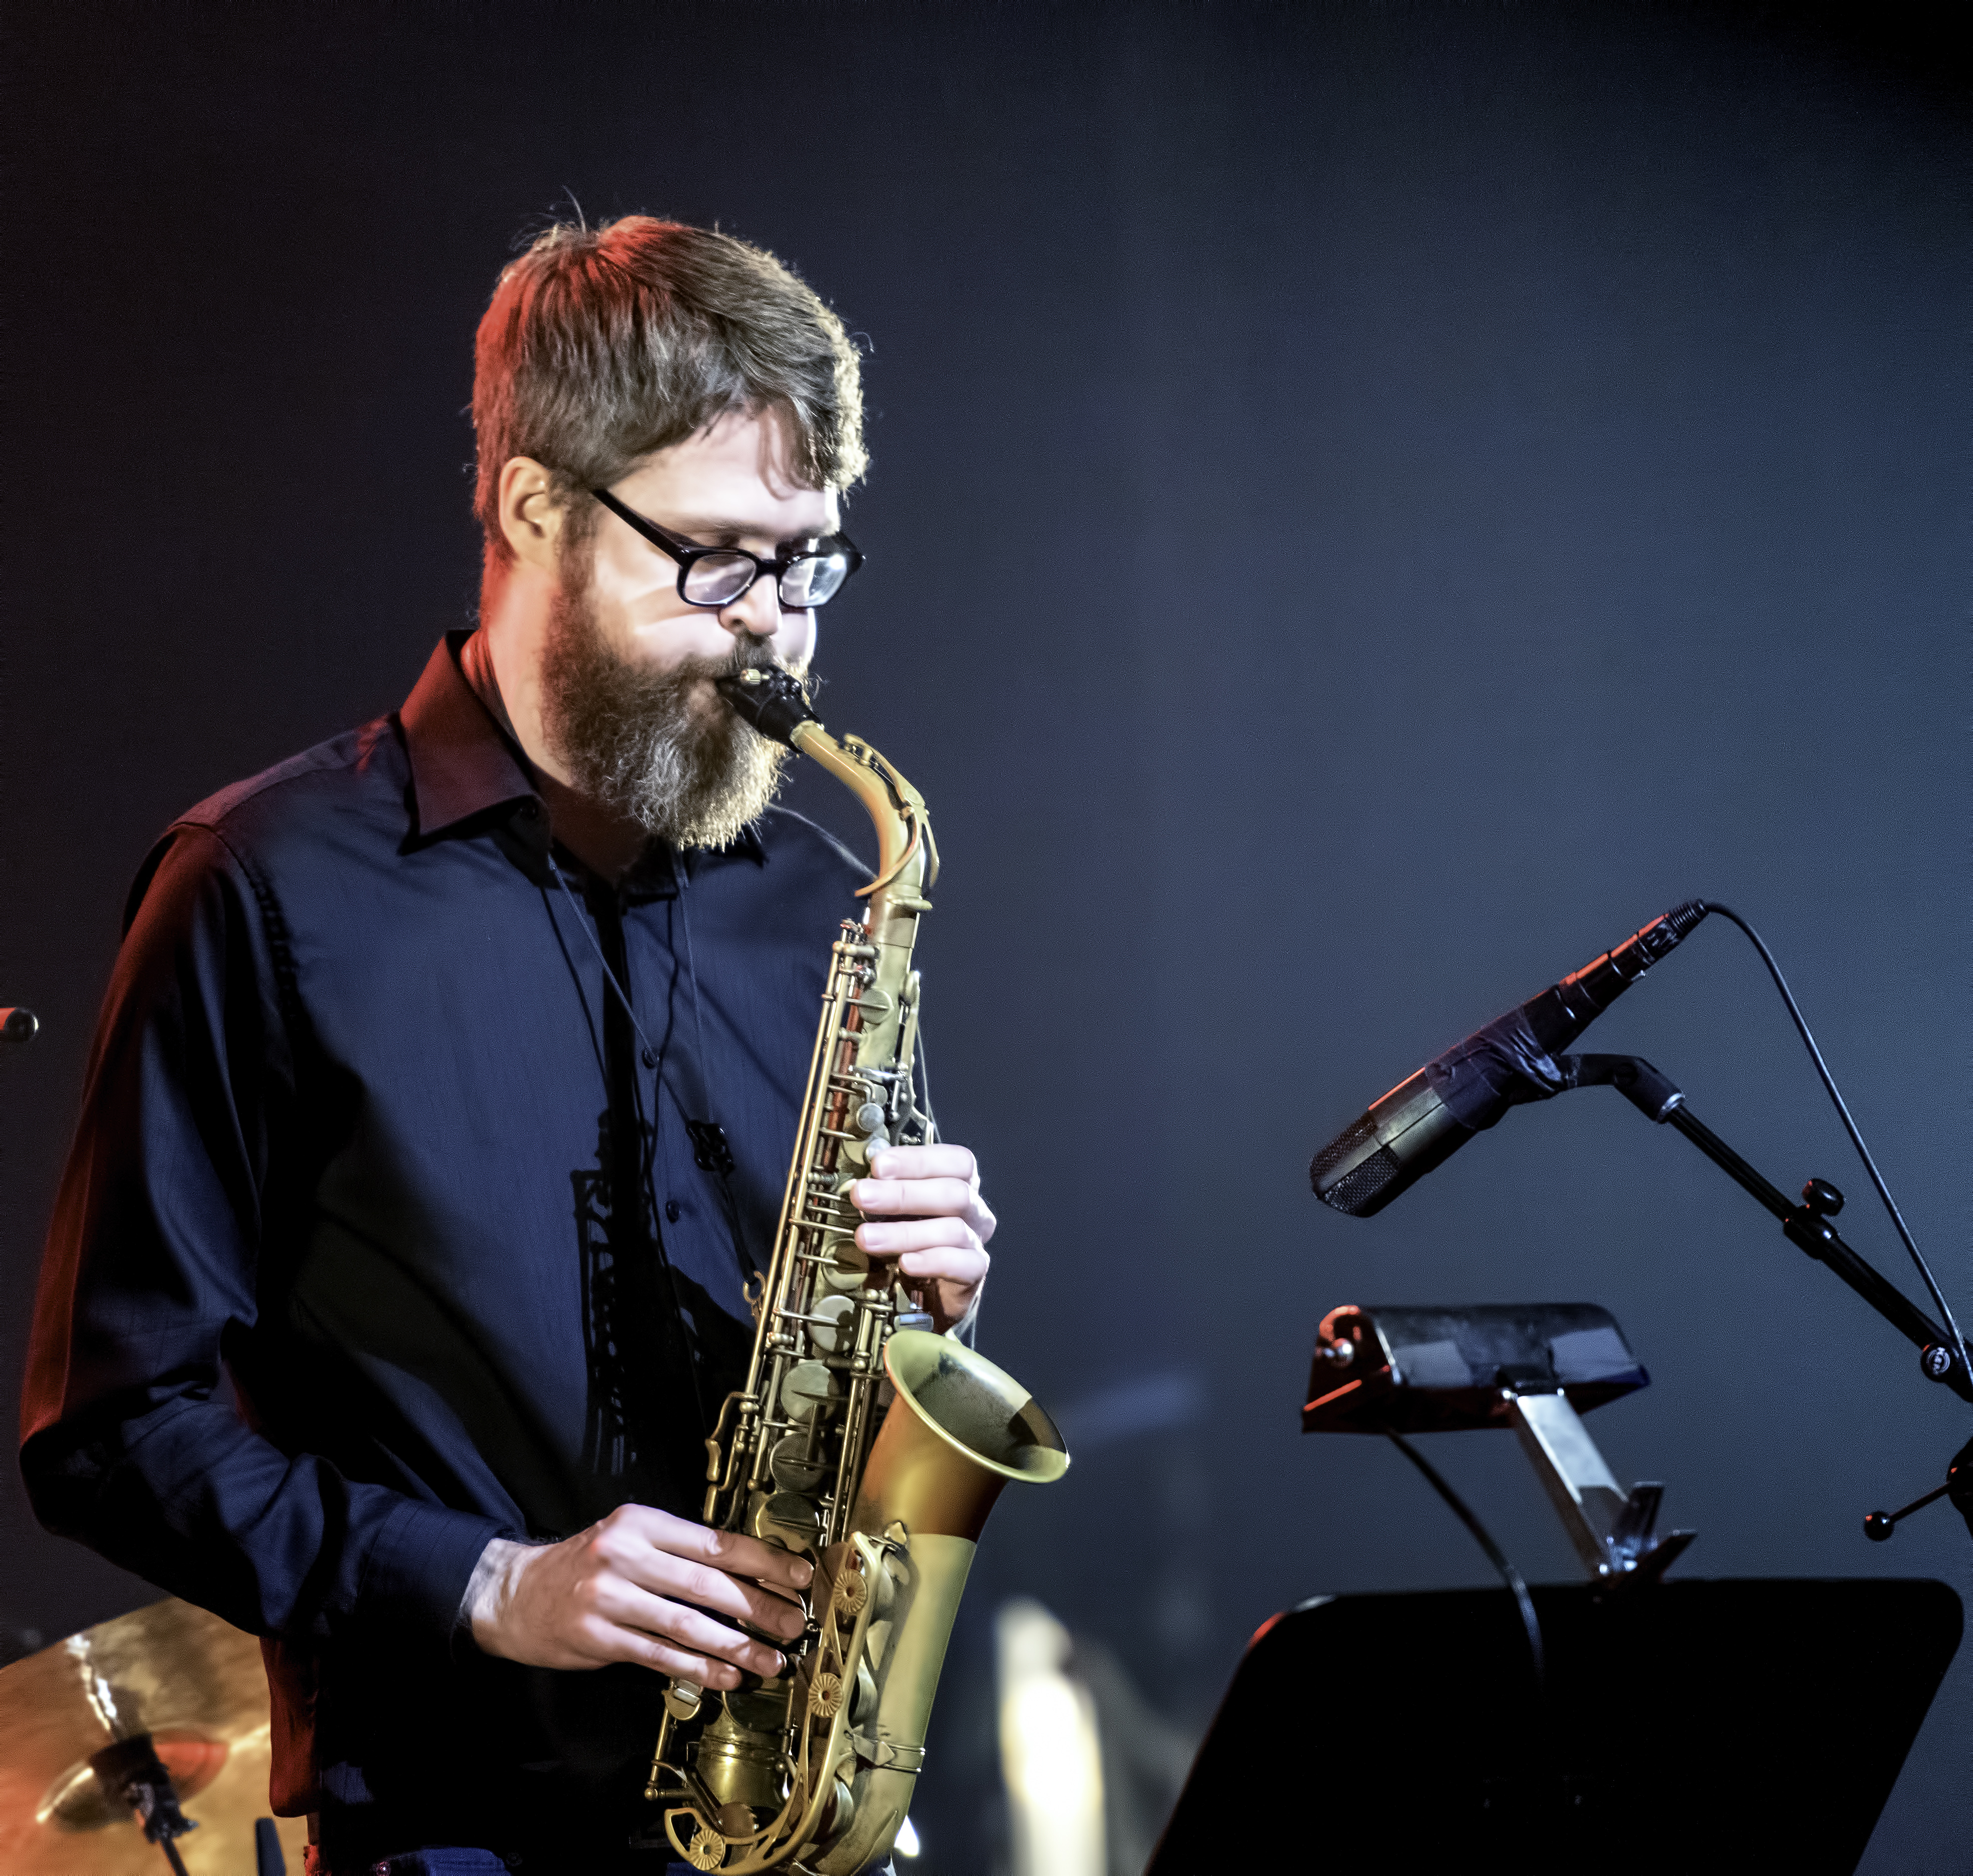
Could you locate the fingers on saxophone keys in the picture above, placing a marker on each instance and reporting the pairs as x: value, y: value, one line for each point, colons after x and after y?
x: 712, y: 1589
x: 664, y: 1658
x: 748, y: 1556
x: 965, y: 1268
x: 911, y: 1234
x: 926, y: 1162
x: 775, y: 1616
x: 726, y: 1651
x: 938, y: 1197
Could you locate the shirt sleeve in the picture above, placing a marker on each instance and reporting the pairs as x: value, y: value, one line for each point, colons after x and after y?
x: 131, y: 1442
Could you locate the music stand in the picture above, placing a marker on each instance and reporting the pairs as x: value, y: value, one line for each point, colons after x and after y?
x: 1696, y: 1726
x: 1624, y: 1724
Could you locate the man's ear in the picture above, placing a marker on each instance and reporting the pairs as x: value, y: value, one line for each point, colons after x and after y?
x: 531, y: 519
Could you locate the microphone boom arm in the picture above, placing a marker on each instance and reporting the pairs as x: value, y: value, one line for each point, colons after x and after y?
x: 1805, y: 1224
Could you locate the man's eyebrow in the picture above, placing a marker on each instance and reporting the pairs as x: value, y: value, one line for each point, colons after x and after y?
x: 712, y: 527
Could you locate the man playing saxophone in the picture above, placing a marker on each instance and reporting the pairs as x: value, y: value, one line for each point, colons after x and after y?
x: 439, y: 1110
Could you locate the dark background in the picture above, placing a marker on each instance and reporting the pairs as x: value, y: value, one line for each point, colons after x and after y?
x: 1371, y: 503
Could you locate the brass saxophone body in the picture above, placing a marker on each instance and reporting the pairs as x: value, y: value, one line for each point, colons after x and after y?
x: 861, y: 1439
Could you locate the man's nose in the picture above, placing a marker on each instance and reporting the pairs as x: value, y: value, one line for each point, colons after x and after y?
x: 757, y: 612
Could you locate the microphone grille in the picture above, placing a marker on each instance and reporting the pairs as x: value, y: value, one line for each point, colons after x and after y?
x: 1357, y: 1190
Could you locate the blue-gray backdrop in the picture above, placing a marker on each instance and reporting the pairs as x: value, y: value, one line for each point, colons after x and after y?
x: 1371, y: 503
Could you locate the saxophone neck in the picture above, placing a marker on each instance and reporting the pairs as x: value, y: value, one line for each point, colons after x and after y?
x: 906, y: 856
x: 773, y: 702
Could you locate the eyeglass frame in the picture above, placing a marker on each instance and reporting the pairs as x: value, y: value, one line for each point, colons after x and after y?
x: 688, y: 554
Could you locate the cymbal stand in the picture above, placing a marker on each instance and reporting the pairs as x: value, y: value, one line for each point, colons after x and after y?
x: 132, y: 1768
x: 128, y: 1768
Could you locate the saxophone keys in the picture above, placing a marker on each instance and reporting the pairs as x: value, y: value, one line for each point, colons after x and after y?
x: 855, y: 1582
x: 829, y: 1326
x: 794, y: 1468
x: 849, y: 1268
x: 788, y: 1519
x: 825, y: 1695
x: 808, y: 1388
x: 852, y: 1593
x: 706, y: 1849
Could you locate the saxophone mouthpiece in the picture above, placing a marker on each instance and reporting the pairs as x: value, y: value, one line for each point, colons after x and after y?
x: 773, y: 701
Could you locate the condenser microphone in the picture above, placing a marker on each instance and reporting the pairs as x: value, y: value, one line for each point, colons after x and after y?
x: 1427, y: 1119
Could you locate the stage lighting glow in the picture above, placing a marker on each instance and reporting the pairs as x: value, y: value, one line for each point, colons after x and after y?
x: 1050, y: 1757
x: 907, y: 1841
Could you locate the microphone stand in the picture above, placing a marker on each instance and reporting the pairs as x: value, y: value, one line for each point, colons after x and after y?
x: 1806, y: 1225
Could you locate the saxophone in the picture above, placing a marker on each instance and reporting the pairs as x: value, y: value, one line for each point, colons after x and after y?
x: 873, y: 1446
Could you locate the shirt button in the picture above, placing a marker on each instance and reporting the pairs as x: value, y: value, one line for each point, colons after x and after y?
x: 650, y: 1057
x: 672, y: 1210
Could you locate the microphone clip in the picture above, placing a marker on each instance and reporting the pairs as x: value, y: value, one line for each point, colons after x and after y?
x: 1652, y: 1094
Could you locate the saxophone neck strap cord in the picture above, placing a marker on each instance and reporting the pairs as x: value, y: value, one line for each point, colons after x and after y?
x: 710, y: 1151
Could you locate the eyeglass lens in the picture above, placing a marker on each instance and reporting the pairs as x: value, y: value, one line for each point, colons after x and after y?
x: 719, y: 579
x: 812, y: 579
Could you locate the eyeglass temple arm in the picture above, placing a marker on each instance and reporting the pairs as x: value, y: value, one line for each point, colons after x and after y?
x: 669, y: 544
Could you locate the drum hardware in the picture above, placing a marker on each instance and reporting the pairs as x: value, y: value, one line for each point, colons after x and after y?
x: 158, y: 1720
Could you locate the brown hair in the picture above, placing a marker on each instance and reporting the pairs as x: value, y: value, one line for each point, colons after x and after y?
x: 603, y: 344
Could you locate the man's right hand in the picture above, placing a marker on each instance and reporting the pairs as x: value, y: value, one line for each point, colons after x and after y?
x: 634, y: 1587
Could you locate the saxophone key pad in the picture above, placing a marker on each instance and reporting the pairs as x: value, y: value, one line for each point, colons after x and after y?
x: 809, y: 1386
x: 831, y: 1321
x: 849, y: 1268
x: 794, y: 1468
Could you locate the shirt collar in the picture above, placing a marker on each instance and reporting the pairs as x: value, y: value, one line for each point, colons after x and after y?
x: 461, y: 765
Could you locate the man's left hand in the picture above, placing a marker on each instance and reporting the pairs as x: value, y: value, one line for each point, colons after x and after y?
x: 924, y: 1209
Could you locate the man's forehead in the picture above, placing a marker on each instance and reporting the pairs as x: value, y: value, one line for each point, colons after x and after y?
x: 736, y: 475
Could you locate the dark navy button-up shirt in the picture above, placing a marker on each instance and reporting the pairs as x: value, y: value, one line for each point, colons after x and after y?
x: 385, y: 1234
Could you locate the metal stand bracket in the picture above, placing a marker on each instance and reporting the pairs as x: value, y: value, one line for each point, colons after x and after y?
x: 1611, y: 1529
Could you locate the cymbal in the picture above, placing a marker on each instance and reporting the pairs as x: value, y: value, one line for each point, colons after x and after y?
x: 195, y: 1683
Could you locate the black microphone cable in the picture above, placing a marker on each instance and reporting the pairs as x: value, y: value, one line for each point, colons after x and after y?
x: 1850, y: 1126
x: 1496, y: 1555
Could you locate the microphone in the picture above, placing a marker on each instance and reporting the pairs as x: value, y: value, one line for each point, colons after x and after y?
x: 1427, y: 1119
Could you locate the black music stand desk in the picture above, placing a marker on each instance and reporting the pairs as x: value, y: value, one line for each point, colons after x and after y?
x: 1733, y: 1725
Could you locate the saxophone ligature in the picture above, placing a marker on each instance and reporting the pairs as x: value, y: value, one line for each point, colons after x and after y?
x: 861, y: 1439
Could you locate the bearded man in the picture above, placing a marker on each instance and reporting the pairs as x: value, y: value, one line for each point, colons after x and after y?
x: 439, y: 1108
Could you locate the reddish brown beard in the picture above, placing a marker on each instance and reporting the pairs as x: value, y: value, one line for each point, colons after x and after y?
x: 642, y: 742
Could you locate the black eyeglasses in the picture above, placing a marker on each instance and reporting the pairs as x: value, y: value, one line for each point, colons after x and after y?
x: 810, y: 572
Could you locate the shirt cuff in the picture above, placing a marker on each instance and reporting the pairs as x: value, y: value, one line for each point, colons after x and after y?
x: 420, y: 1563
